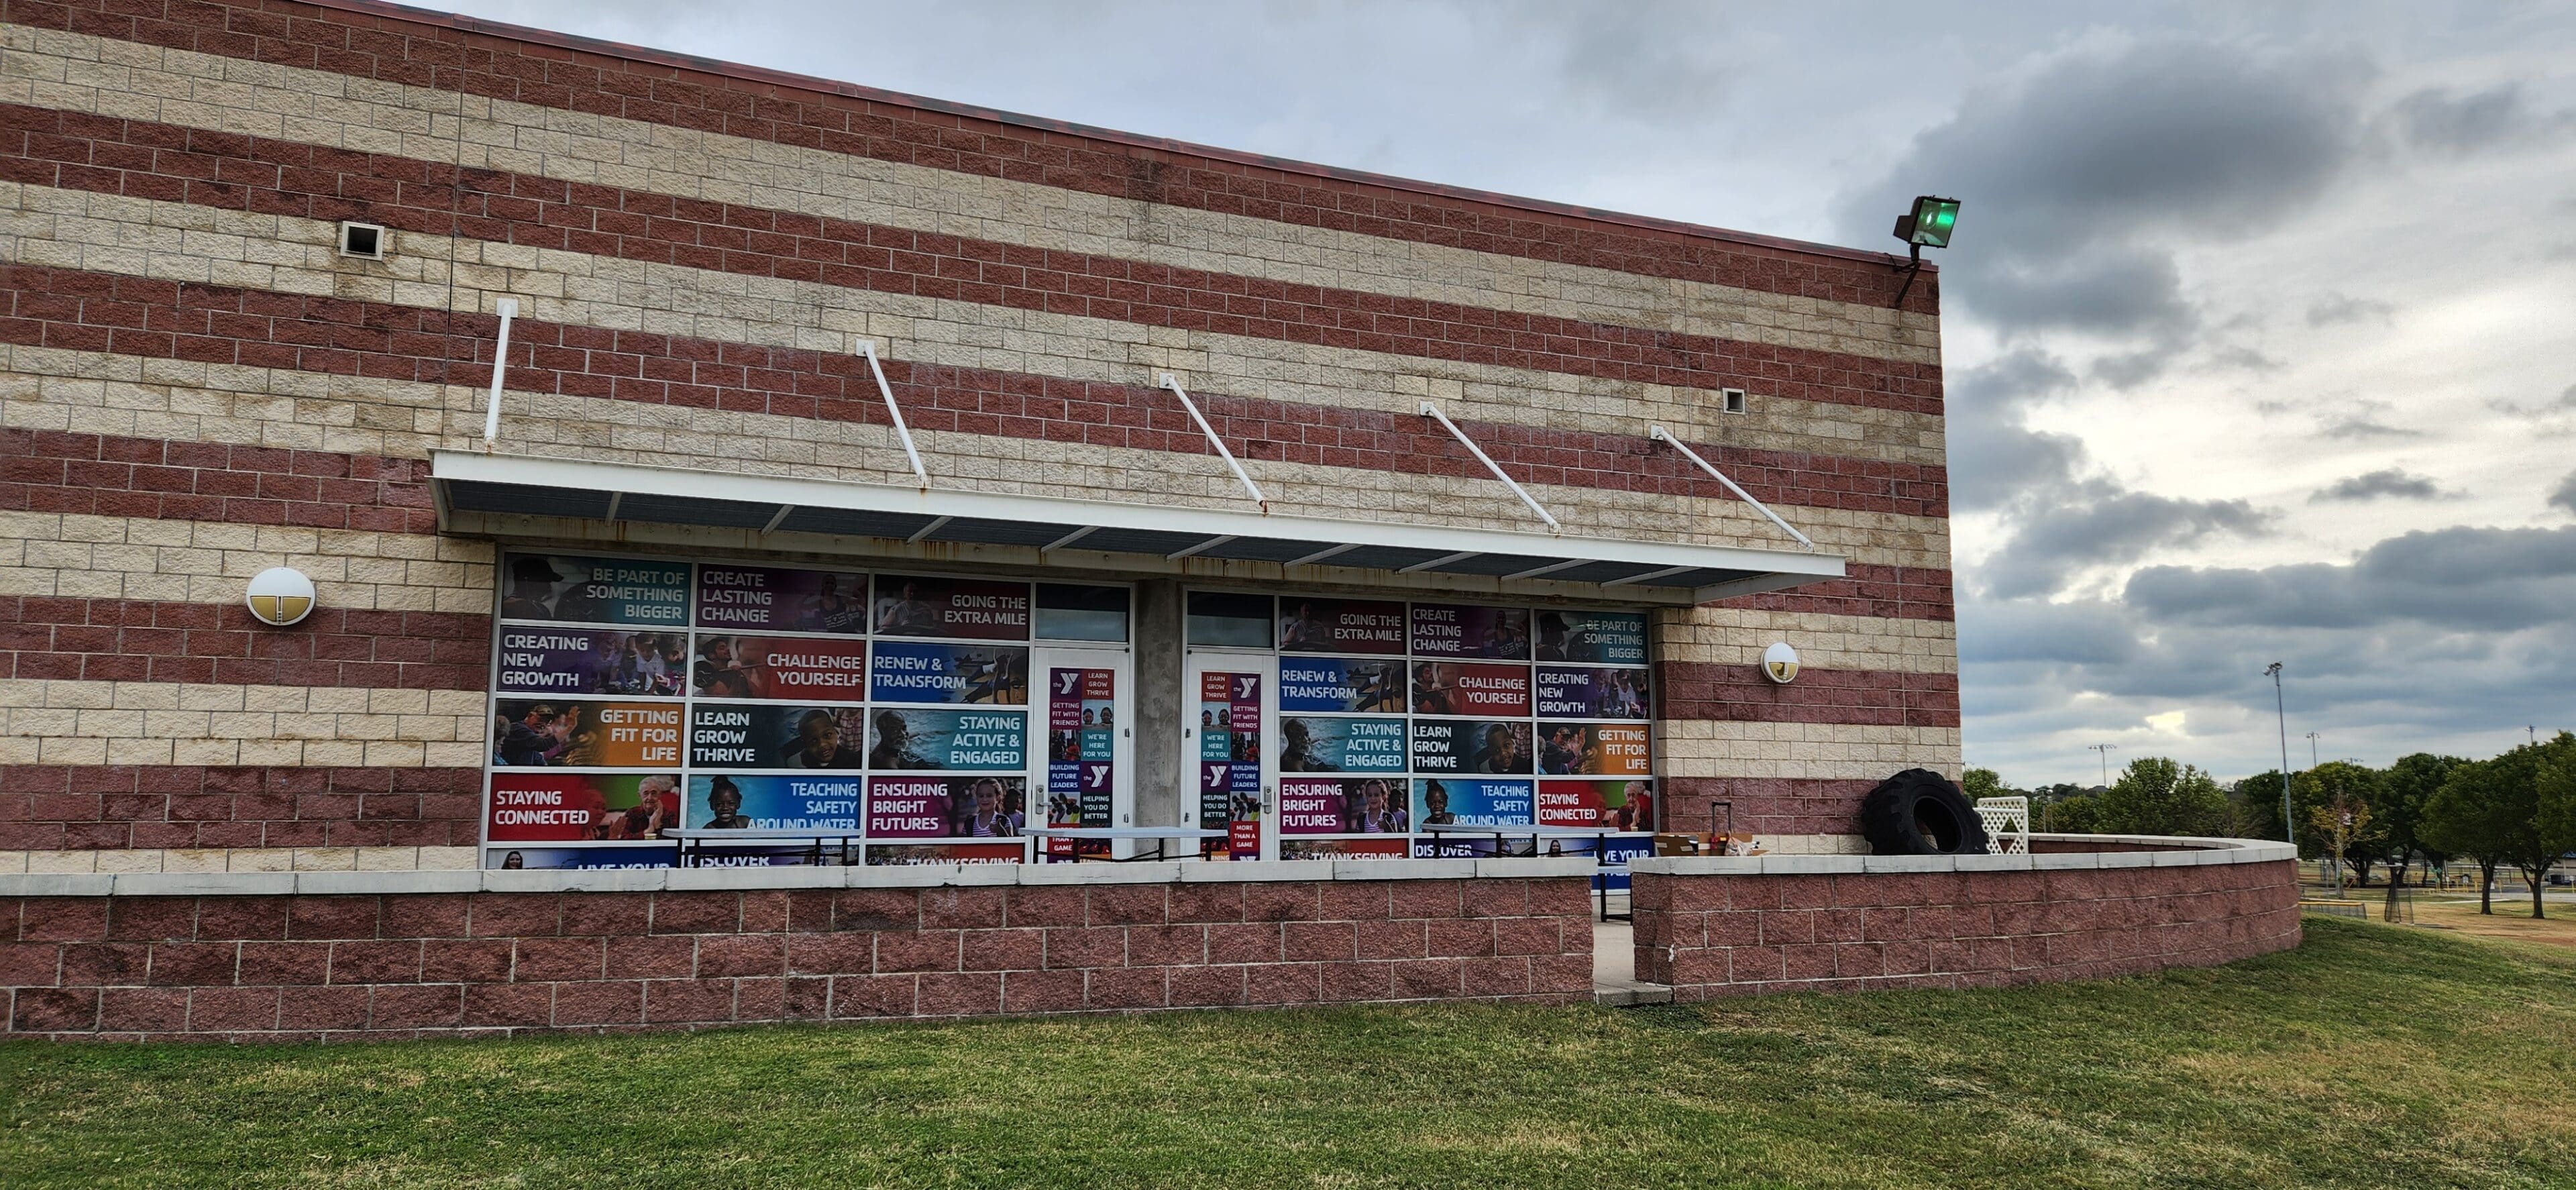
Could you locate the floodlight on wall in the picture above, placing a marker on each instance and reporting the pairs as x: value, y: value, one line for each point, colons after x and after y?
x: 1927, y: 225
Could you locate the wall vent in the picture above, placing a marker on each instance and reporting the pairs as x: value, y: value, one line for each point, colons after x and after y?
x: 366, y: 241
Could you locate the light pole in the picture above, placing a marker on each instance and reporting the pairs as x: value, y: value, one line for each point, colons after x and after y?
x: 2105, y: 750
x: 2312, y: 749
x: 2289, y: 833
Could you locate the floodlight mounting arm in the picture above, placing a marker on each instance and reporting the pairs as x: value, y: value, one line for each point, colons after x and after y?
x: 1913, y: 269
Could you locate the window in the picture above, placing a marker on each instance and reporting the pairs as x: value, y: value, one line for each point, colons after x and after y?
x: 1081, y: 613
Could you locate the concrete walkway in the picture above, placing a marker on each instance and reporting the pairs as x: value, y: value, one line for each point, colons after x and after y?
x: 1614, y: 966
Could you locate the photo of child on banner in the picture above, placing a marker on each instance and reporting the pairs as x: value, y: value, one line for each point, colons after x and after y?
x: 582, y: 590
x: 1343, y: 806
x: 773, y: 803
x: 985, y: 807
x: 775, y: 736
x: 1468, y: 801
x: 1471, y: 746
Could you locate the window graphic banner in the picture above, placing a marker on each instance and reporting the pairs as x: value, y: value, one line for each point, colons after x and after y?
x: 1458, y: 630
x: 1341, y: 626
x: 773, y: 803
x: 761, y: 598
x: 1308, y: 744
x: 1082, y: 750
x: 935, y: 740
x: 530, y: 733
x: 1601, y: 638
x: 990, y: 675
x: 775, y: 736
x: 799, y: 668
x: 1230, y: 759
x: 512, y: 859
x: 1471, y: 746
x: 591, y: 661
x: 1593, y: 693
x: 957, y: 608
x: 1594, y: 749
x: 1343, y: 806
x: 991, y: 807
x: 530, y: 807
x: 584, y: 590
x: 1470, y: 801
x: 1334, y: 684
x: 898, y: 854
x: 1447, y: 688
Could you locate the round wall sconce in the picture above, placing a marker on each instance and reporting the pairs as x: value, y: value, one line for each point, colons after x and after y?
x: 280, y: 596
x: 1780, y: 662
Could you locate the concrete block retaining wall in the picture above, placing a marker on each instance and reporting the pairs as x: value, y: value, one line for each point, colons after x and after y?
x: 262, y: 957
x: 1726, y: 927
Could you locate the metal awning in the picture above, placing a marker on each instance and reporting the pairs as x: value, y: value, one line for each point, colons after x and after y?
x: 498, y: 495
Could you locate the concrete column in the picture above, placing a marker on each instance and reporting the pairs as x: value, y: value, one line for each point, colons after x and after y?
x: 1161, y: 779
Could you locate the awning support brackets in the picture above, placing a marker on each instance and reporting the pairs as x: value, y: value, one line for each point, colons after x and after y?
x: 1169, y: 381
x: 1433, y: 411
x: 868, y: 349
x: 509, y: 309
x: 1659, y: 434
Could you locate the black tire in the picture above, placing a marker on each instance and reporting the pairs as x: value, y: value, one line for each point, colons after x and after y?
x: 1919, y: 812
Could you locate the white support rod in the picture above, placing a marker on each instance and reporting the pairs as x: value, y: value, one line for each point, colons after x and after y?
x: 935, y: 525
x: 1320, y: 555
x: 868, y: 349
x: 1069, y: 539
x: 1658, y: 434
x: 1191, y: 552
x: 1648, y: 576
x: 509, y: 309
x: 1169, y: 381
x: 1433, y: 411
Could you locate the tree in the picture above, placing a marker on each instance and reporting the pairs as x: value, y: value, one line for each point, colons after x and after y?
x: 2557, y: 811
x: 2338, y: 787
x: 1977, y: 783
x: 2404, y: 789
x: 2070, y: 814
x: 2255, y: 803
x: 2489, y: 811
x: 2155, y: 796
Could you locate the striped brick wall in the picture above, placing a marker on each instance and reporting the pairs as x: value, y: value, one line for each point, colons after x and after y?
x: 194, y: 387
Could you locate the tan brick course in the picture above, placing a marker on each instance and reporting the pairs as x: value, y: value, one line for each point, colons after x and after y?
x: 155, y: 723
x: 76, y: 72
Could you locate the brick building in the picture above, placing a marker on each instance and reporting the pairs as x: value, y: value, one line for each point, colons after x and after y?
x: 698, y: 558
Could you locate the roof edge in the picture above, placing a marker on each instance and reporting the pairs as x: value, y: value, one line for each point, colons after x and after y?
x: 781, y: 78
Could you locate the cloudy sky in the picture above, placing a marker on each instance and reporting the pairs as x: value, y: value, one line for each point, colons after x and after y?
x: 2261, y: 327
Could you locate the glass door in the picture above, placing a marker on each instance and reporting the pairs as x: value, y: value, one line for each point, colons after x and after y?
x: 1087, y: 768
x: 1228, y: 736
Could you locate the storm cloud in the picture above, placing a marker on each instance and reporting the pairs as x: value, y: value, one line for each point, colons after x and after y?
x: 2386, y: 483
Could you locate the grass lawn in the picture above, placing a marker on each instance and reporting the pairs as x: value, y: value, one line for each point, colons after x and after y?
x: 2374, y: 1056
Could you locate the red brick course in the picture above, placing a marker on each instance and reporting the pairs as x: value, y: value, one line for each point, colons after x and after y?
x: 330, y: 967
x: 105, y: 807
x: 1880, y: 698
x: 553, y: 70
x: 87, y: 311
x: 176, y: 479
x: 104, y: 154
x: 1723, y: 935
x: 142, y: 640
